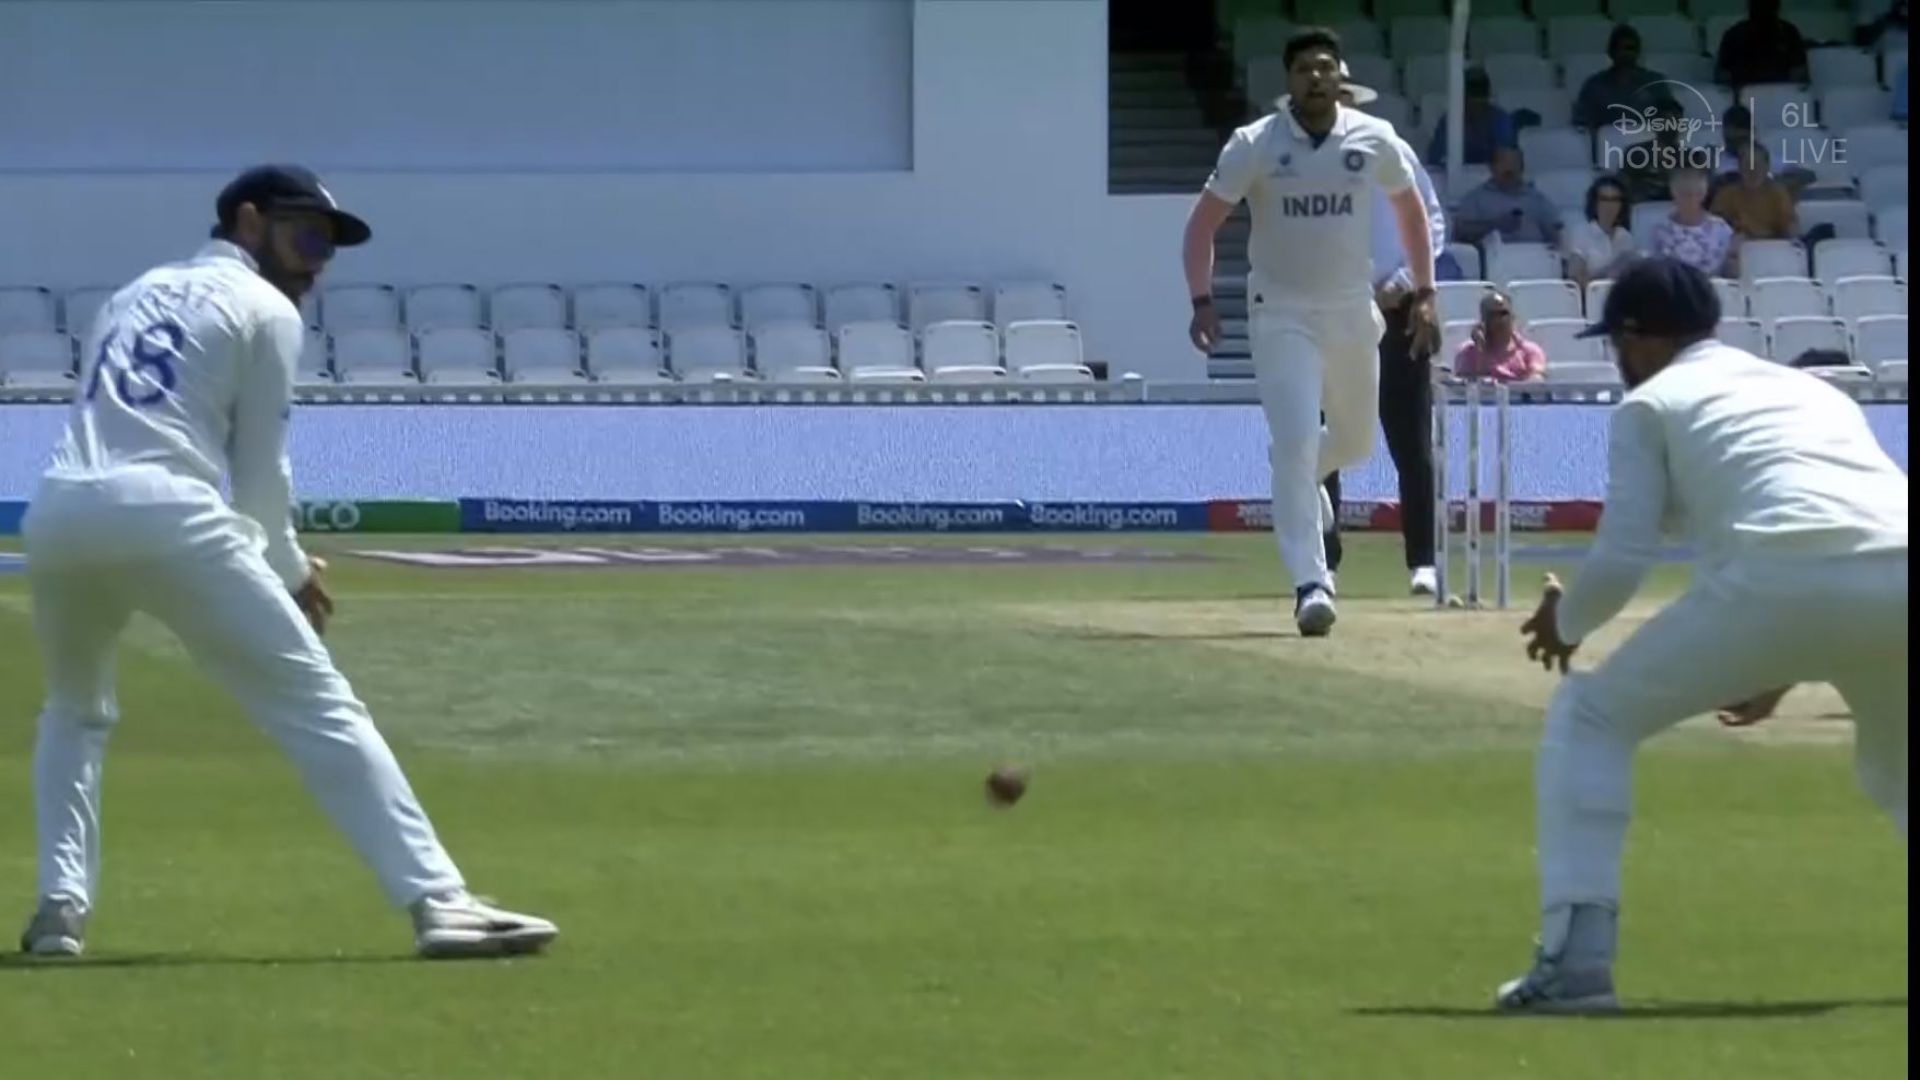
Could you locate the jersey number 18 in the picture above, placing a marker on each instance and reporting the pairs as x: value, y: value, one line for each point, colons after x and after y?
x: 154, y: 351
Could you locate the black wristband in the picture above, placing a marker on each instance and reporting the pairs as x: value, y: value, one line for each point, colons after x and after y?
x: 1202, y: 302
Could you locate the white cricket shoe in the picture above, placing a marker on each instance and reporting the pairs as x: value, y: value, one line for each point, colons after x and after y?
x: 1572, y: 969
x: 1313, y: 610
x: 458, y: 924
x: 1426, y: 581
x: 58, y: 928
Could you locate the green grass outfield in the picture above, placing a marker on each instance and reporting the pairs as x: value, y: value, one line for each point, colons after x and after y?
x: 751, y: 797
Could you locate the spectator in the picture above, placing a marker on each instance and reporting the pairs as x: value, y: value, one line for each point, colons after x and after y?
x: 1882, y: 23
x: 1757, y: 206
x: 1762, y: 48
x: 1736, y: 128
x: 1692, y: 234
x: 1648, y: 167
x: 1497, y: 350
x: 1484, y: 126
x: 1623, y: 90
x: 1600, y: 245
x: 1507, y: 205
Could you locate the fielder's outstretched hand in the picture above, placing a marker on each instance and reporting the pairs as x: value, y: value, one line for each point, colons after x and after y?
x: 312, y: 597
x: 1544, y: 629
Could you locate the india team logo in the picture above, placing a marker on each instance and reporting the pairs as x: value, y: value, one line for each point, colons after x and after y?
x: 1355, y: 160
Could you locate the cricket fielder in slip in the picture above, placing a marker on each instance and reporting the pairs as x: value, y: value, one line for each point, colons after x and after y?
x: 1308, y: 174
x: 1799, y: 524
x: 188, y: 377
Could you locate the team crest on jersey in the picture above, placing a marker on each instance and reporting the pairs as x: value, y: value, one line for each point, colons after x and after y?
x: 1354, y: 161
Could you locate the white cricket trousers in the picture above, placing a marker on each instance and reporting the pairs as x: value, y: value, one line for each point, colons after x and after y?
x: 1307, y: 362
x: 1739, y: 630
x: 140, y: 539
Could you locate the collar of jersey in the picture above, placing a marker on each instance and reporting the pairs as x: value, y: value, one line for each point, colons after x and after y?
x: 1339, y: 123
x: 226, y: 249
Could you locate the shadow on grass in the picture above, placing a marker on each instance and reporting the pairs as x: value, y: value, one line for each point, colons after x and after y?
x: 1218, y: 635
x: 1651, y: 1010
x: 111, y: 962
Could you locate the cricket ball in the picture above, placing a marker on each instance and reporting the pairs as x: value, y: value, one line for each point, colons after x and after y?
x: 1005, y: 785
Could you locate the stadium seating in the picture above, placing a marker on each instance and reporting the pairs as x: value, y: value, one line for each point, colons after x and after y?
x: 1553, y: 107
x: 931, y: 303
x: 1020, y: 301
x: 527, y: 307
x: 1565, y: 188
x: 1691, y: 68
x: 1414, y: 35
x: 1522, y: 262
x: 1545, y: 299
x: 1878, y: 339
x: 690, y: 304
x: 457, y: 356
x: 794, y: 352
x: 1870, y: 146
x: 36, y: 358
x: 705, y: 352
x: 1665, y: 32
x: 1468, y: 257
x: 1792, y: 336
x: 1892, y: 371
x: 626, y: 355
x: 1556, y: 148
x: 1835, y: 259
x: 1884, y: 186
x: 961, y: 350
x: 1561, y: 341
x: 83, y: 304
x: 1848, y: 217
x: 1890, y: 227
x: 1460, y: 299
x: 1569, y: 35
x: 1744, y: 333
x: 443, y: 307
x: 611, y: 306
x: 1785, y: 297
x: 1844, y: 107
x: 1510, y: 72
x: 1048, y: 350
x: 1454, y: 333
x: 765, y: 305
x: 1590, y: 372
x: 24, y: 308
x: 1597, y: 296
x: 373, y: 356
x: 854, y: 303
x: 1858, y: 297
x: 1778, y: 105
x: 315, y: 366
x: 1733, y: 296
x: 541, y: 354
x: 1502, y: 34
x: 872, y: 351
x: 1772, y: 258
x: 345, y: 308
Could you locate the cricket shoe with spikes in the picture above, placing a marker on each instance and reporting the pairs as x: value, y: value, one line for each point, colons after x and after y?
x: 58, y: 928
x: 1313, y: 610
x: 1572, y: 968
x: 457, y: 925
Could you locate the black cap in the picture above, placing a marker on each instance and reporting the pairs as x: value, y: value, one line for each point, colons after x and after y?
x: 289, y: 187
x: 1659, y: 297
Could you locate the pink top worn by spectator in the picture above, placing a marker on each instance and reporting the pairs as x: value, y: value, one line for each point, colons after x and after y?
x: 1519, y: 361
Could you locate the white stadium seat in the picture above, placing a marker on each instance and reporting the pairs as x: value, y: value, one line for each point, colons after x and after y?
x: 1890, y: 227
x: 1733, y: 296
x: 689, y: 304
x: 1491, y: 37
x: 1545, y: 299
x: 1778, y: 105
x: 1878, y: 339
x: 36, y: 358
x: 1019, y: 301
x: 611, y: 306
x: 1687, y: 67
x: 1803, y: 149
x: 27, y: 307
x: 1871, y: 145
x: 1744, y: 333
x: 1045, y: 347
x: 1521, y: 71
x: 310, y: 310
x: 1820, y: 24
x: 1373, y: 71
x: 528, y: 307
x: 794, y: 352
x: 765, y: 305
x: 1571, y: 34
x: 1794, y: 336
x: 1468, y: 257
x: 1847, y: 216
x: 1460, y: 299
x: 961, y: 350
x: 861, y: 303
x: 1453, y: 334
x: 1357, y: 36
x: 1560, y: 339
x: 1784, y: 297
x: 625, y: 355
x: 1423, y: 75
x: 1587, y: 372
x: 1843, y: 107
x: 1414, y: 35
x: 1597, y: 296
x: 887, y: 375
x: 314, y: 367
x: 1522, y: 262
x: 705, y: 353
x: 1835, y: 259
x: 1556, y: 148
x: 1857, y: 297
x: 1772, y: 258
x: 443, y: 307
x: 1577, y: 68
x: 1667, y: 33
x: 458, y: 356
x: 1550, y: 104
x: 360, y: 307
x: 874, y: 349
x: 932, y: 303
x: 373, y: 356
x: 1884, y: 186
x: 542, y: 354
x: 81, y: 306
x: 1892, y: 371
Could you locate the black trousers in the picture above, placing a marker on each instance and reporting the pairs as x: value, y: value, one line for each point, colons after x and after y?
x: 1406, y: 419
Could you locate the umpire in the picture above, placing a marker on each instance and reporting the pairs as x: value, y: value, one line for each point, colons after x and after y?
x: 1406, y: 391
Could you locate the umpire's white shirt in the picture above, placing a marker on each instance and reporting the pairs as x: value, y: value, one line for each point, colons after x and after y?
x: 189, y: 371
x: 1744, y: 459
x: 1312, y: 207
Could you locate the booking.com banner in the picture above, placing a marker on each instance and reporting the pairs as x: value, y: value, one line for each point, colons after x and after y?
x: 547, y: 516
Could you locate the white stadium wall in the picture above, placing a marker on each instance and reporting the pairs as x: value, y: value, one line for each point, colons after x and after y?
x: 1003, y: 174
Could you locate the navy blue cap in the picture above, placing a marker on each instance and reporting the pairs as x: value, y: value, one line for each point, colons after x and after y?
x: 1659, y: 297
x: 289, y: 187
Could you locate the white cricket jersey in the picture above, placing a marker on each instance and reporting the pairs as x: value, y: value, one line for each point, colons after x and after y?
x: 1312, y: 242
x: 190, y: 370
x: 1740, y: 457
